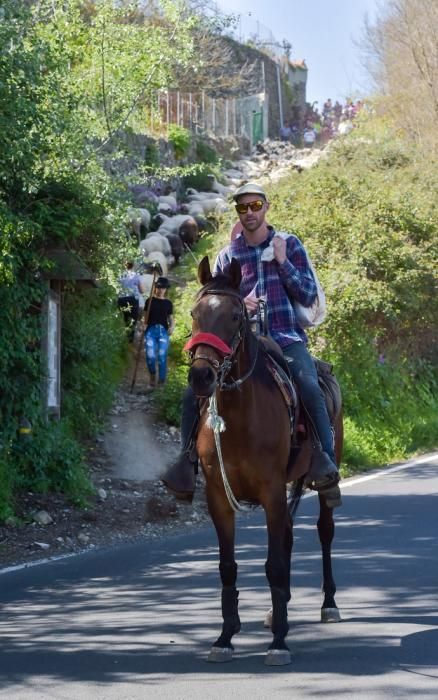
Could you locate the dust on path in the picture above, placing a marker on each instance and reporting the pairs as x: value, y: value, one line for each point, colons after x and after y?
x: 137, y: 445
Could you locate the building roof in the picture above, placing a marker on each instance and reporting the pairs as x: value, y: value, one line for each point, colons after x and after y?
x: 66, y: 265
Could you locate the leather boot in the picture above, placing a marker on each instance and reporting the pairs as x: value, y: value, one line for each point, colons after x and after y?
x: 179, y: 477
x: 323, y: 477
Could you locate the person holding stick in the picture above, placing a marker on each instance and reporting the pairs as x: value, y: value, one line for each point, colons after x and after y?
x: 159, y: 325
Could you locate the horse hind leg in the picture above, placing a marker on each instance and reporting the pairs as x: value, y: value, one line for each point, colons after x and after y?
x: 326, y: 531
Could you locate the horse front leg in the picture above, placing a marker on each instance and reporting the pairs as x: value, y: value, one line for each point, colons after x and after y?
x: 326, y: 531
x: 278, y: 574
x: 223, y: 520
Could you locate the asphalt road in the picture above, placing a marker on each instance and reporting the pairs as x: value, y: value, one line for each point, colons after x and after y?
x: 138, y: 621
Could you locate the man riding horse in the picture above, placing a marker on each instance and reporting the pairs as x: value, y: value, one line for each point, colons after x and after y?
x: 279, y: 282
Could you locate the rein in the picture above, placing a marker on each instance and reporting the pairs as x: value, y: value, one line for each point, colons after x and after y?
x: 217, y: 424
x: 223, y: 369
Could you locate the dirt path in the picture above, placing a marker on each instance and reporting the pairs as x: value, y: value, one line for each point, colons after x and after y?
x: 130, y: 503
x: 136, y: 445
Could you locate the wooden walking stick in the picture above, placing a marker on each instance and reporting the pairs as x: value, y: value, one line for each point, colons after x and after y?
x: 144, y: 326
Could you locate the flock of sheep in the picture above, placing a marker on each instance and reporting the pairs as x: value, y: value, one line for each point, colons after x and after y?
x: 176, y: 227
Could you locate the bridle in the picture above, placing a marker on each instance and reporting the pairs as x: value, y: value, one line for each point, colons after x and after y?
x: 228, y: 352
x: 222, y: 369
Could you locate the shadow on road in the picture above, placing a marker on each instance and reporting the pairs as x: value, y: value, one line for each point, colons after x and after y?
x: 148, y: 610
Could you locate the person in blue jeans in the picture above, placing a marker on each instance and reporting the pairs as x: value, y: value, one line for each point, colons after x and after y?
x: 159, y: 327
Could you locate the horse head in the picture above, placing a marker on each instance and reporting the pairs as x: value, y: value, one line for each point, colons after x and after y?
x: 218, y: 321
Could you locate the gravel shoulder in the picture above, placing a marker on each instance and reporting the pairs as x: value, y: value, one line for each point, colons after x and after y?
x: 122, y: 508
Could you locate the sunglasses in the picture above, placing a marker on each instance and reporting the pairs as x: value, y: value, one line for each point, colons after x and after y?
x: 254, y: 206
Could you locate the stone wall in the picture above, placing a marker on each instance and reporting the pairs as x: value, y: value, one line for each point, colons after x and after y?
x: 292, y: 80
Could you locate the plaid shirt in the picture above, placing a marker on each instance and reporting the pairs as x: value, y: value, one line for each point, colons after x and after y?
x: 280, y: 283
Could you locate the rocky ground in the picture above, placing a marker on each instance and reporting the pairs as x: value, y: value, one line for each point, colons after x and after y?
x: 48, y: 525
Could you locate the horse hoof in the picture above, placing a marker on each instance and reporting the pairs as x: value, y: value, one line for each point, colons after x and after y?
x: 220, y: 655
x: 268, y: 619
x: 330, y: 615
x: 278, y: 657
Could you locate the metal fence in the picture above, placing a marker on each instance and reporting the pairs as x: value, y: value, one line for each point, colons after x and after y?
x: 203, y: 114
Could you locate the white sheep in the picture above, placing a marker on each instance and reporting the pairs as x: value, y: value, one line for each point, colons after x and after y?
x: 218, y: 187
x: 201, y: 196
x: 154, y: 241
x: 183, y: 225
x: 140, y: 220
x: 157, y: 257
x: 169, y: 200
x: 207, y: 206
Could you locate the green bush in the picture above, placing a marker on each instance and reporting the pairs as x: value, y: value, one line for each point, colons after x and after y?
x: 180, y: 138
x: 198, y: 177
x: 369, y: 222
x: 169, y: 397
x: 93, y: 360
x: 205, y: 153
x: 51, y: 459
x: 152, y: 155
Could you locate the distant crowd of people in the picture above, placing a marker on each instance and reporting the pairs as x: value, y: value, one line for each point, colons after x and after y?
x: 318, y: 127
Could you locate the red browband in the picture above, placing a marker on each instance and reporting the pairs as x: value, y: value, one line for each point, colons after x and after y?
x: 208, y: 339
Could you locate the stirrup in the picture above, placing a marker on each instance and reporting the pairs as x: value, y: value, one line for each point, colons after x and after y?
x: 179, y: 478
x: 325, y: 483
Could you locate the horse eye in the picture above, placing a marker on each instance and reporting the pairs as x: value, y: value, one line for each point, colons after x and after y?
x: 236, y: 317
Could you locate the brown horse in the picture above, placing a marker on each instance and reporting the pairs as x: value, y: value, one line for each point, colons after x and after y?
x: 244, y: 445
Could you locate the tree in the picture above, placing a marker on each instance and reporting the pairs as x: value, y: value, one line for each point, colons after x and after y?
x: 214, y: 67
x: 401, y: 50
x: 73, y: 75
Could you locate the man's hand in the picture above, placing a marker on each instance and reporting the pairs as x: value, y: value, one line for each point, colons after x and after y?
x: 279, y: 246
x: 251, y: 303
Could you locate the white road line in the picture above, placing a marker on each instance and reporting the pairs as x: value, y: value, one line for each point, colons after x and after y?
x: 378, y: 473
x: 47, y: 560
x: 352, y: 481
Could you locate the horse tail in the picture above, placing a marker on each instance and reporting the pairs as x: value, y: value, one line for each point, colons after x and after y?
x: 295, y: 496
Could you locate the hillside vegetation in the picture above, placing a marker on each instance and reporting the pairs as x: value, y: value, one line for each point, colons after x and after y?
x: 368, y: 219
x: 72, y: 76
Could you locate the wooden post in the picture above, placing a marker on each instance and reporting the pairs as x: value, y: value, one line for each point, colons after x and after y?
x: 51, y: 350
x: 190, y: 125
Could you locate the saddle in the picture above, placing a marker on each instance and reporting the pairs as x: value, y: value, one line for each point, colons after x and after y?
x: 279, y: 369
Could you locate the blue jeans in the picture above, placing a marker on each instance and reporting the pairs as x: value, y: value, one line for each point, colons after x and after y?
x: 303, y: 372
x: 156, y: 344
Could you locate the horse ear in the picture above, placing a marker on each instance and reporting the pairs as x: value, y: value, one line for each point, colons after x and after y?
x: 235, y: 273
x: 204, y: 272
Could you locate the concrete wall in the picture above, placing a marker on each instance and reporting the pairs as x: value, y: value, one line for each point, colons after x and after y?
x: 293, y: 80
